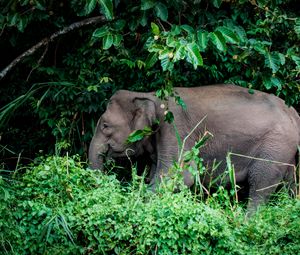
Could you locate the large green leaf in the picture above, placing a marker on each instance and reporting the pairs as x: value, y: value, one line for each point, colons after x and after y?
x: 218, y: 40
x: 119, y: 24
x: 202, y: 37
x: 272, y: 82
x: 297, y: 27
x: 107, y: 7
x: 151, y: 60
x: 155, y: 28
x: 108, y: 41
x: 164, y: 54
x: 90, y: 6
x: 139, y: 135
x: 117, y: 39
x: 22, y: 24
x: 282, y: 58
x: 179, y: 53
x: 272, y: 60
x: 161, y: 11
x: 100, y: 32
x: 190, y: 30
x: 147, y: 4
x: 166, y: 64
x: 217, y: 3
x: 172, y: 42
x: 194, y: 56
x: 296, y: 59
x: 229, y: 34
x: 240, y: 32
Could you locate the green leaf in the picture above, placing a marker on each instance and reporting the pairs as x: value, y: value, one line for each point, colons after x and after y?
x: 166, y: 64
x: 107, y: 41
x: 164, y: 54
x: 169, y: 117
x: 179, y: 53
x: 151, y: 60
x: 117, y: 39
x: 297, y: 27
x: 217, y: 3
x: 107, y: 8
x: 128, y: 62
x: 272, y: 60
x: 22, y: 24
x: 194, y: 56
x: 207, y: 135
x: 218, y: 40
x: 139, y: 134
x: 155, y: 28
x: 188, y: 29
x: 14, y: 19
x: 171, y: 41
x: 100, y: 32
x: 272, y: 82
x: 240, y: 32
x: 161, y: 11
x: 147, y: 4
x: 90, y: 6
x: 296, y: 59
x: 177, y: 135
x: 119, y: 24
x: 228, y: 34
x: 282, y: 58
x: 180, y: 102
x: 231, y: 170
x: 202, y: 37
x: 244, y: 55
x: 276, y: 82
x: 140, y: 64
x: 144, y: 19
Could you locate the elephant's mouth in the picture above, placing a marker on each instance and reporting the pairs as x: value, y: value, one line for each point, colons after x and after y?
x: 128, y: 152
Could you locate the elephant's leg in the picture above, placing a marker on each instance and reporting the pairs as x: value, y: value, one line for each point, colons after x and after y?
x: 158, y: 172
x: 290, y: 178
x: 162, y: 170
x: 263, y: 179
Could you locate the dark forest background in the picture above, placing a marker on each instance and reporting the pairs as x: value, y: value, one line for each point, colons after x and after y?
x: 62, y: 60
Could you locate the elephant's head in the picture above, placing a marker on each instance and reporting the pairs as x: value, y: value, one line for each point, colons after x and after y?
x: 125, y: 113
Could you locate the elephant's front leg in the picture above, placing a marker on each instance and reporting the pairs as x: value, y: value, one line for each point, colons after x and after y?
x: 167, y: 155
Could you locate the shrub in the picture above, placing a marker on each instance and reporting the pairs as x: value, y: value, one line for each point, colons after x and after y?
x: 58, y: 207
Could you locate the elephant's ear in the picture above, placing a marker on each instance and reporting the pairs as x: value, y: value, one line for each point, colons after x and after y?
x: 144, y: 113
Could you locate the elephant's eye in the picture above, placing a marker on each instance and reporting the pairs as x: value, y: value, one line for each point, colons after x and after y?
x: 105, y: 125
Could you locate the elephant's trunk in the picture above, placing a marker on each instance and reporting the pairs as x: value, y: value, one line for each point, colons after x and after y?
x: 97, y: 151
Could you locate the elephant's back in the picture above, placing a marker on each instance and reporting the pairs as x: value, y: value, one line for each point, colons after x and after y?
x: 237, y: 108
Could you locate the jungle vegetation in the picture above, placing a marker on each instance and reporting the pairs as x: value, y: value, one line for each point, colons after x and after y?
x: 62, y: 60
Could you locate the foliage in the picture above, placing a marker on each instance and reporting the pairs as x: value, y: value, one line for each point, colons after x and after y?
x: 59, y: 207
x: 61, y: 89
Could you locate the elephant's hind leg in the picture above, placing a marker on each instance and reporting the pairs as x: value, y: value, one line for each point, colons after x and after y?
x: 264, y: 176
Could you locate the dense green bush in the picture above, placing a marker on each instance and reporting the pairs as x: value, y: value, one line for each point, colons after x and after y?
x: 58, y: 207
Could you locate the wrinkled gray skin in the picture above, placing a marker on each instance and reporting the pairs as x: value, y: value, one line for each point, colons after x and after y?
x: 258, y: 125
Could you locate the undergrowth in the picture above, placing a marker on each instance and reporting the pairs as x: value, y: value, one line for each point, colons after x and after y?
x: 59, y: 207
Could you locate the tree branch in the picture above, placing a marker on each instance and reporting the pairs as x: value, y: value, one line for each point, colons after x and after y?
x: 46, y: 40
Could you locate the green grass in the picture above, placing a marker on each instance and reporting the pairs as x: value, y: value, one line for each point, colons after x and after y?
x: 59, y: 207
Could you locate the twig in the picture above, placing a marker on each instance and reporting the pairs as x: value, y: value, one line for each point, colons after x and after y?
x: 271, y: 186
x: 46, y: 40
x: 189, y: 134
x: 262, y: 159
x: 273, y: 162
x: 39, y: 62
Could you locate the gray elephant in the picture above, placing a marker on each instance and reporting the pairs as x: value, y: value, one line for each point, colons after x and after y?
x: 253, y: 124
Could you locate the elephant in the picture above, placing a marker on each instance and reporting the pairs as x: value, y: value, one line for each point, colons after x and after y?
x: 251, y: 123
